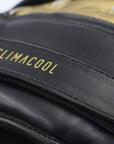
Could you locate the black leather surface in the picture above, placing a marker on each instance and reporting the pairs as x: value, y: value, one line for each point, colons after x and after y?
x: 42, y: 114
x: 82, y: 81
x: 8, y: 137
x: 33, y: 2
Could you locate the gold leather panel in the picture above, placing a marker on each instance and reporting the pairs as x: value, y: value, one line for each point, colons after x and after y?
x: 100, y: 9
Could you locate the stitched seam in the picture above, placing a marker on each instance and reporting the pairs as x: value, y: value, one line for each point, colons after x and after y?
x: 27, y: 125
x: 69, y: 58
x: 74, y: 21
x: 93, y: 26
x: 50, y: 86
x: 57, y: 53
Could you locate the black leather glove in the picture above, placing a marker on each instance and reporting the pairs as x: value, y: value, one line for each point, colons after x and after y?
x: 57, y: 73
